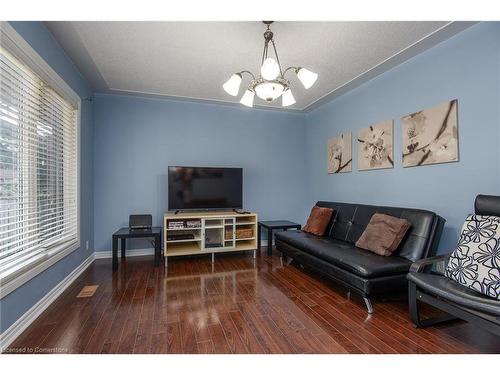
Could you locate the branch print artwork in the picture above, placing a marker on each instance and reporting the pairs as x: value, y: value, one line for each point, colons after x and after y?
x: 375, y: 150
x: 431, y: 135
x: 340, y: 154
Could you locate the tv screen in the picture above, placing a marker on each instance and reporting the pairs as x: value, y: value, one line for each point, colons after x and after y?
x: 195, y: 188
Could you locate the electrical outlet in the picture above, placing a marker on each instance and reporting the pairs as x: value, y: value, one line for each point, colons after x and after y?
x: 87, y: 245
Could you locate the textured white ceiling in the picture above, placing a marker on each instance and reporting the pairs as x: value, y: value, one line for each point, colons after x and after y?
x: 193, y: 59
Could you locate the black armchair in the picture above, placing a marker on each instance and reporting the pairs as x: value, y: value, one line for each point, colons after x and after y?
x: 456, y: 300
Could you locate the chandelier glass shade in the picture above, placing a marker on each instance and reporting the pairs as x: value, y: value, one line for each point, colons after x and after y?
x: 247, y: 98
x: 271, y: 83
x: 270, y: 90
x: 287, y: 98
x: 306, y: 77
x: 270, y: 69
x: 232, y: 86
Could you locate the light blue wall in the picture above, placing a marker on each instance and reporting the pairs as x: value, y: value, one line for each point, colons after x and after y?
x: 284, y: 155
x: 136, y: 139
x: 466, y: 67
x: 19, y: 301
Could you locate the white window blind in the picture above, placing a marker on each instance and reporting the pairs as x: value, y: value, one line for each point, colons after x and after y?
x: 38, y: 169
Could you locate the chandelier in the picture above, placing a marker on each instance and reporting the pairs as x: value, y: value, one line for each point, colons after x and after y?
x: 271, y: 83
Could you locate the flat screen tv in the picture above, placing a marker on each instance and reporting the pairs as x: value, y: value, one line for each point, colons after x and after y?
x: 204, y: 188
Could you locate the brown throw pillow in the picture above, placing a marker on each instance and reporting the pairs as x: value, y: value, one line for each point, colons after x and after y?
x: 383, y: 234
x: 318, y: 220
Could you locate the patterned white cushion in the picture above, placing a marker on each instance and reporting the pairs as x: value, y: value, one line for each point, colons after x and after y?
x: 475, y: 262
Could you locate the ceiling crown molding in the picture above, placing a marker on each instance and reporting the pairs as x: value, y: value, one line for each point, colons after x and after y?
x: 444, y: 33
x: 68, y: 37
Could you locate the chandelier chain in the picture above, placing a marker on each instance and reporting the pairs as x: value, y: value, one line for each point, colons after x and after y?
x: 277, y: 57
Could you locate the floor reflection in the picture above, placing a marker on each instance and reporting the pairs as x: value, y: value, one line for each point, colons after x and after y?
x: 201, y: 297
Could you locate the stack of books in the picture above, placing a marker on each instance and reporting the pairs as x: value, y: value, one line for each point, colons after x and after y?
x: 175, y: 225
x: 193, y: 224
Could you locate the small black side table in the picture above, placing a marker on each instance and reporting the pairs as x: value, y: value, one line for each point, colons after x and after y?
x: 274, y: 225
x: 125, y: 233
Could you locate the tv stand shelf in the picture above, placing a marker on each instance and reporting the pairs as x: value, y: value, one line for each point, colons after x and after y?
x: 209, y: 234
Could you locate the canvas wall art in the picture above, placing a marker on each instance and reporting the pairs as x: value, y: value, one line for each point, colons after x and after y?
x: 340, y: 154
x: 430, y: 136
x: 375, y: 146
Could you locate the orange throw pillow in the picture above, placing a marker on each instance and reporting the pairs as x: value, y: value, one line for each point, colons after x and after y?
x: 383, y: 234
x: 318, y: 220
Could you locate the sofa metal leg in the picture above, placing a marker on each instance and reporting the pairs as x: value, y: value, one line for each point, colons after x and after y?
x: 286, y: 259
x: 369, y: 305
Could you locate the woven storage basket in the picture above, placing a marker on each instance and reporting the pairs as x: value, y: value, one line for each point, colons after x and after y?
x: 240, y: 233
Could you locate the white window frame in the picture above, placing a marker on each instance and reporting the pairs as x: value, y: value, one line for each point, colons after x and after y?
x: 15, y: 44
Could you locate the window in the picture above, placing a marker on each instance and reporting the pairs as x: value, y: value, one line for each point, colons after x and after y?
x: 38, y: 169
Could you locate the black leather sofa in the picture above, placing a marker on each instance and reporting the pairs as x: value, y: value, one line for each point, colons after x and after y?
x: 458, y: 301
x: 335, y: 255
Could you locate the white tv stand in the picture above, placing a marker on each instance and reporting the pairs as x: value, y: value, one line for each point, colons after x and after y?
x: 209, y: 237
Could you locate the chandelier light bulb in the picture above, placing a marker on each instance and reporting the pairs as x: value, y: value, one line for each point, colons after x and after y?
x: 287, y: 98
x: 270, y: 69
x: 247, y: 98
x: 232, y: 86
x: 307, y: 77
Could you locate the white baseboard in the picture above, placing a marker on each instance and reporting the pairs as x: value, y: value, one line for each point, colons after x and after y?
x: 137, y: 252
x: 129, y: 253
x: 18, y: 327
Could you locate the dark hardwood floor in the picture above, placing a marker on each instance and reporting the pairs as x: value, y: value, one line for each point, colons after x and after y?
x: 238, y: 305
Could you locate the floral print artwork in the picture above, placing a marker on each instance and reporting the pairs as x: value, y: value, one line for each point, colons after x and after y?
x: 340, y: 154
x: 375, y: 149
x: 430, y: 136
x: 475, y: 262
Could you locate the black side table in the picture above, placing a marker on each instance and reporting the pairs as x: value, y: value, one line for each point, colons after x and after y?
x: 271, y: 226
x: 125, y: 233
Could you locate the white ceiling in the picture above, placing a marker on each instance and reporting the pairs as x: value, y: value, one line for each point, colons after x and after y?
x: 191, y: 60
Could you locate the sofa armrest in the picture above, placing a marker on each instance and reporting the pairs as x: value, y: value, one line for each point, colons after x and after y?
x: 423, y: 264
